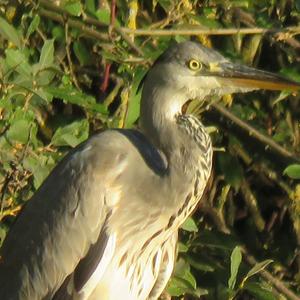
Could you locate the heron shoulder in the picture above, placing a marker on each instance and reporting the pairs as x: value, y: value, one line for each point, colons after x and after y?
x: 118, y: 148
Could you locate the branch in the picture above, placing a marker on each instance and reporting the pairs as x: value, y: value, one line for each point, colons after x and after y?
x: 220, y: 31
x: 255, y: 133
x: 126, y: 32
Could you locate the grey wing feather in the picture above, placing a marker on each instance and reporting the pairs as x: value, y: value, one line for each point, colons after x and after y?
x: 60, y: 223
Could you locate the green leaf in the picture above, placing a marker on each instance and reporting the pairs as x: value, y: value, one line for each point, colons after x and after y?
x: 2, y: 233
x: 103, y: 15
x: 177, y: 287
x: 73, y: 96
x: 283, y: 95
x: 58, y: 34
x: 165, y: 4
x: 293, y: 171
x: 19, y: 131
x: 189, y: 225
x: 236, y: 258
x: 72, y: 134
x: 182, y: 248
x: 33, y: 26
x: 40, y: 166
x: 81, y: 53
x: 10, y: 33
x: 16, y: 60
x: 291, y: 73
x: 256, y: 269
x: 73, y: 8
x: 47, y: 55
x: 182, y: 270
x: 90, y: 6
x: 260, y: 291
x: 201, y: 264
x: 231, y: 169
x: 183, y: 280
x: 214, y: 239
x: 134, y: 98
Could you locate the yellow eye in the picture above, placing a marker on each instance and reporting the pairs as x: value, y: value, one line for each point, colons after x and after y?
x: 194, y: 65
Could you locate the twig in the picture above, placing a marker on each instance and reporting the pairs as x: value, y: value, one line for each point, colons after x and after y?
x: 87, y: 31
x: 112, y: 95
x: 251, y: 203
x: 67, y: 39
x: 119, y: 30
x: 4, y: 187
x: 273, y: 176
x: 216, y: 217
x: 127, y: 39
x: 201, y: 31
x: 255, y: 133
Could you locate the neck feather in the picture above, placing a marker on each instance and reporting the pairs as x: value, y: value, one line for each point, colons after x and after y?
x: 182, y: 138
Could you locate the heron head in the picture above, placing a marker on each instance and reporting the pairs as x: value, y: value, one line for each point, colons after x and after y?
x: 198, y: 72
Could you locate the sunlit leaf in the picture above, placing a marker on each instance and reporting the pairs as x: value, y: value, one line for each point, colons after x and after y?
x: 189, y: 225
x: 236, y: 259
x: 17, y: 61
x: 293, y: 171
x: 19, y: 131
x: 135, y: 98
x: 72, y: 134
x: 72, y: 95
x: 47, y: 54
x: 103, y: 15
x: 73, y: 7
x: 33, y: 26
x: 40, y: 166
x: 10, y: 33
x: 256, y: 269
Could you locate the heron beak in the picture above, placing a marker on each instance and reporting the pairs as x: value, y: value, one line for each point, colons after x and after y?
x: 247, y: 77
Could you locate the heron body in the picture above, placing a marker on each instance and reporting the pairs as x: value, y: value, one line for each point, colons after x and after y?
x: 104, y: 223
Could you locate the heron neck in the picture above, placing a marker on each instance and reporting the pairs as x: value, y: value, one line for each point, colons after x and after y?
x: 182, y: 138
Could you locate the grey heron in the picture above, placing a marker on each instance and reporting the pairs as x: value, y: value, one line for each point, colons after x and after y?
x: 104, y: 224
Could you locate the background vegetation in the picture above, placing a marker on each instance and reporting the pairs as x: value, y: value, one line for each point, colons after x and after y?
x: 69, y: 68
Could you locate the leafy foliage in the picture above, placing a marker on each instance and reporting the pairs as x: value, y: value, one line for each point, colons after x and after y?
x: 64, y: 78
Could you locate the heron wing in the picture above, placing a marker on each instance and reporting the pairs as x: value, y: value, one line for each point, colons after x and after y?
x: 62, y: 228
